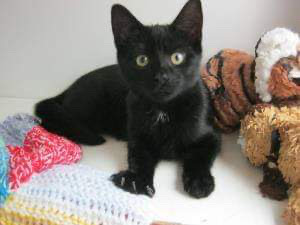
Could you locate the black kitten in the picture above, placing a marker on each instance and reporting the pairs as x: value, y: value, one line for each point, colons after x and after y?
x: 154, y: 98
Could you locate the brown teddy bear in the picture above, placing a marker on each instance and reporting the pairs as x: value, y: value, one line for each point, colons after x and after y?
x: 263, y: 92
x: 271, y: 139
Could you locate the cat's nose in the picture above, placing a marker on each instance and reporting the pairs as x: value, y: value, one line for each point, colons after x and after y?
x: 161, y: 78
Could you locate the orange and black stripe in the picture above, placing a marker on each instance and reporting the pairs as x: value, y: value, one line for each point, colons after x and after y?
x: 229, y: 78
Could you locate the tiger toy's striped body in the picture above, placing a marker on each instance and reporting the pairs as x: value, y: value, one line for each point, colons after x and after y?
x: 230, y: 77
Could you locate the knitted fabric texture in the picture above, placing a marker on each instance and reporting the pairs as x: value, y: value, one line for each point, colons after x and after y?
x: 13, y: 129
x: 30, y: 149
x: 75, y: 195
x: 40, y: 152
x: 4, y: 162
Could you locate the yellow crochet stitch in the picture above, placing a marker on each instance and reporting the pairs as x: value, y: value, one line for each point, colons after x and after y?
x: 74, y: 195
x: 35, y: 215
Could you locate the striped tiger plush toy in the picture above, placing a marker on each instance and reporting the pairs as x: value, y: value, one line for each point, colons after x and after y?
x: 237, y: 80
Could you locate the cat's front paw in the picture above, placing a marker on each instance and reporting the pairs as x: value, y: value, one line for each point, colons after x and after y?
x: 133, y: 183
x: 200, y: 185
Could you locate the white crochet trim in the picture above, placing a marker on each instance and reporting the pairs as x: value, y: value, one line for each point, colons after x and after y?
x: 274, y: 45
x: 85, y: 193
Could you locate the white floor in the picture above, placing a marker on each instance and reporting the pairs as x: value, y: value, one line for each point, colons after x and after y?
x: 235, y: 201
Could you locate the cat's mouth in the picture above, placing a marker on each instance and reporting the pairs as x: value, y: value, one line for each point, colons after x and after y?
x: 163, y: 93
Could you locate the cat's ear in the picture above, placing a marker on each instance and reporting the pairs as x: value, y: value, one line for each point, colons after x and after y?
x: 124, y: 24
x: 190, y: 20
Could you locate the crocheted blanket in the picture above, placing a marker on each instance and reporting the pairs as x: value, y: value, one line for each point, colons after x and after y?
x: 39, y: 186
x: 75, y: 195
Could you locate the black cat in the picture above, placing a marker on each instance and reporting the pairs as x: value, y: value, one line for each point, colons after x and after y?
x: 154, y: 98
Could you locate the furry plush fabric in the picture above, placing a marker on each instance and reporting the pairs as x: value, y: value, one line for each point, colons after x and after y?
x: 237, y: 80
x: 274, y: 45
x: 256, y: 134
x: 229, y: 76
x: 284, y: 81
x: 270, y: 136
x: 256, y: 130
x: 292, y: 212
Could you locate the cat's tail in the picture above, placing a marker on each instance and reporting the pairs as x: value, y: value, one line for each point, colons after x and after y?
x: 56, y: 120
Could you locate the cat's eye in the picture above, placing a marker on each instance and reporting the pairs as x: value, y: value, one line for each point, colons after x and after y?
x: 177, y: 58
x: 142, y: 60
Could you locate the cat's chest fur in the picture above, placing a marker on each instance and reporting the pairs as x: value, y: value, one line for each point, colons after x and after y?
x: 167, y: 129
x: 177, y: 120
x: 170, y: 131
x: 160, y: 117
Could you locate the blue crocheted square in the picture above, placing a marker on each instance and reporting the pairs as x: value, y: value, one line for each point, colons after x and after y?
x: 4, y: 164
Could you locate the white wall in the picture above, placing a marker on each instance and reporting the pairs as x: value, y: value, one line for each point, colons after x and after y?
x: 46, y: 44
